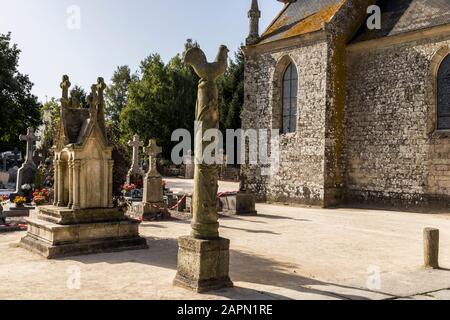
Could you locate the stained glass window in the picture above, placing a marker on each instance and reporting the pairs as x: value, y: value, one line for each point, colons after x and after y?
x: 443, y: 108
x: 290, y: 89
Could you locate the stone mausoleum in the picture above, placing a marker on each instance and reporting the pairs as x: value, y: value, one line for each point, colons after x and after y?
x: 82, y: 219
x: 364, y: 114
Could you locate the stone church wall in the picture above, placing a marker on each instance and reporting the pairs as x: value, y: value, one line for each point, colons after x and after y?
x: 300, y: 178
x: 393, y: 154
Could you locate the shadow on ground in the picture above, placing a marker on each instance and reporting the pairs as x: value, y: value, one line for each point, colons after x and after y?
x: 163, y: 253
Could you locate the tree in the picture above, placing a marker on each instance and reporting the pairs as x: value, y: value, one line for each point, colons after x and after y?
x: 231, y: 93
x: 19, y: 108
x: 161, y: 100
x: 117, y: 93
x: 51, y: 116
x: 231, y: 97
x: 116, y: 99
x: 80, y: 95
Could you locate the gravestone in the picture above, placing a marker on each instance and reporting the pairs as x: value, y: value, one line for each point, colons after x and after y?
x: 153, y: 199
x: 12, y: 172
x: 204, y: 257
x: 243, y: 203
x: 27, y: 173
x: 4, y: 179
x: 135, y: 169
x: 189, y: 166
x: 83, y: 219
x: 16, y: 153
x: 4, y: 161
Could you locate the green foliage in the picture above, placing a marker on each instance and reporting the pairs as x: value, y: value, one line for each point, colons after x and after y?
x: 19, y: 109
x: 117, y: 92
x: 116, y: 99
x: 160, y: 101
x: 51, y: 117
x: 122, y: 164
x: 162, y: 98
x: 231, y: 93
x: 80, y: 95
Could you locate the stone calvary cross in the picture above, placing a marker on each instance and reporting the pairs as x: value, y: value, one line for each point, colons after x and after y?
x: 26, y: 173
x: 153, y: 198
x: 136, y: 143
x: 30, y: 138
x: 153, y: 150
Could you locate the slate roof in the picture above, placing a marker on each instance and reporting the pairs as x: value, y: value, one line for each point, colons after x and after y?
x: 301, y: 17
x: 400, y: 16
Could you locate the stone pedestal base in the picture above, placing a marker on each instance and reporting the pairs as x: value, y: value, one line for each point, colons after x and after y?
x: 59, y: 232
x: 242, y: 203
x: 10, y: 211
x: 203, y: 265
x: 147, y: 211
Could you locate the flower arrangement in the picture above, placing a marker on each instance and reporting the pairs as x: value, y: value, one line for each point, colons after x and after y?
x: 40, y: 196
x: 4, y: 199
x: 20, y: 201
x: 39, y: 200
x: 43, y: 193
x: 26, y: 187
x: 128, y: 187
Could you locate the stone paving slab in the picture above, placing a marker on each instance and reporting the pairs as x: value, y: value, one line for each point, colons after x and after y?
x: 283, y: 253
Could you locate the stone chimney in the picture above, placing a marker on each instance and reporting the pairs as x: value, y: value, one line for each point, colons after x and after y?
x: 254, y: 15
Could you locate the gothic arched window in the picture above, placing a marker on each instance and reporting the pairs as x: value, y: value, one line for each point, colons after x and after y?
x: 290, y: 89
x: 443, y: 95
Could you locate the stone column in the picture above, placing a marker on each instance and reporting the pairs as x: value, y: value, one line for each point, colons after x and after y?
x: 110, y: 183
x: 76, y: 184
x: 60, y: 184
x: 70, y: 167
x: 203, y: 258
x: 431, y: 248
x: 189, y: 165
x: 56, y: 183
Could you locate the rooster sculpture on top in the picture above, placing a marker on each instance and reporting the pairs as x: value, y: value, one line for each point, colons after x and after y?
x: 207, y: 101
x: 204, y: 211
x: 208, y: 71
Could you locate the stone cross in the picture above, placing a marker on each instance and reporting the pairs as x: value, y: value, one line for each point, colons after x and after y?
x: 136, y: 143
x: 101, y: 86
x: 30, y: 138
x: 65, y: 85
x: 93, y: 100
x: 153, y: 150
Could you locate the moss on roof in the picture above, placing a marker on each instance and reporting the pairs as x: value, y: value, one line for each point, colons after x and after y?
x: 301, y: 17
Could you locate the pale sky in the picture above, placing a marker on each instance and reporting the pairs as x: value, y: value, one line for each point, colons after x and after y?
x: 117, y: 32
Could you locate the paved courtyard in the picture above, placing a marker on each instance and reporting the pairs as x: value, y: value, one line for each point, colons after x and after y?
x: 284, y: 253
